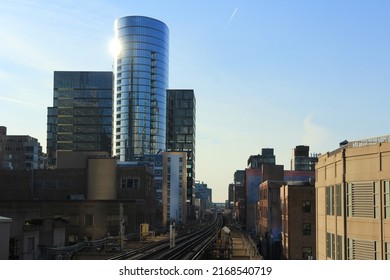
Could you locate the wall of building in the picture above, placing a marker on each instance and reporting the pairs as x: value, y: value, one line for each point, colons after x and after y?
x: 102, y: 182
x: 351, y: 203
x: 174, y: 187
x: 298, y: 221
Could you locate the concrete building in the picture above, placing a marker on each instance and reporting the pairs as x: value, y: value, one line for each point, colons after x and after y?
x: 353, y: 201
x: 298, y: 218
x: 181, y: 128
x: 174, y: 187
x: 81, y: 116
x: 19, y: 152
x: 140, y: 84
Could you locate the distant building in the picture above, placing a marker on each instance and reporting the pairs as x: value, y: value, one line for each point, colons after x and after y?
x: 181, y: 128
x: 238, y: 209
x: 239, y: 177
x: 81, y: 116
x: 254, y: 177
x: 267, y: 157
x: 19, y: 152
x: 301, y: 161
x: 204, y: 193
x: 239, y: 181
x: 353, y: 201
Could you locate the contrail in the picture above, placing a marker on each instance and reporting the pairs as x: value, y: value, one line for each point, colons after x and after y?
x: 232, y: 16
x: 18, y: 101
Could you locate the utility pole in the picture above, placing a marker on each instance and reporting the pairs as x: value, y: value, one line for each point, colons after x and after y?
x: 121, y: 226
x: 172, y: 233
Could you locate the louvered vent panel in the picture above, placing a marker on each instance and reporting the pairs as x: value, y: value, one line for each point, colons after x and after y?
x: 362, y: 200
x: 363, y: 250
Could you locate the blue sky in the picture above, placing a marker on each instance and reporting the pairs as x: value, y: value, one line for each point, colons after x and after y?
x: 265, y: 73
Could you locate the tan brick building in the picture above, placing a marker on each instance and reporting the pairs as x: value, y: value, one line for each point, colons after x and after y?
x: 353, y: 201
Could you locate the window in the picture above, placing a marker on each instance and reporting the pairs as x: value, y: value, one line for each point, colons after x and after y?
x: 330, y: 245
x: 307, y: 253
x: 339, y: 246
x: 387, y: 251
x: 306, y: 229
x: 349, y: 200
x: 31, y: 244
x: 338, y: 200
x: 386, y: 200
x: 88, y: 220
x: 306, y: 206
x: 130, y: 183
x: 330, y: 200
x: 376, y: 199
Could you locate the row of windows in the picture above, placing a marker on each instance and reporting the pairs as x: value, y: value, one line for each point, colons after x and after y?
x: 362, y: 199
x: 130, y: 183
x: 52, y: 184
x: 131, y: 41
x: 157, y: 81
x: 105, y: 129
x: 334, y: 246
x: 96, y: 111
x: 139, y: 150
x: 136, y: 90
x: 81, y: 147
x: 138, y: 117
x: 139, y: 63
x: 85, y: 121
x: 80, y: 137
x: 92, y: 93
x: 83, y: 103
x: 155, y: 30
x: 128, y: 56
x: 82, y: 80
x: 333, y: 200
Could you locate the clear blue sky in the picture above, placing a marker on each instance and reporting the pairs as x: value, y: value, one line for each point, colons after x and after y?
x: 265, y: 73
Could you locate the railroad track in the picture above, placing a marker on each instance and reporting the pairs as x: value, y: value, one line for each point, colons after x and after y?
x: 188, y: 247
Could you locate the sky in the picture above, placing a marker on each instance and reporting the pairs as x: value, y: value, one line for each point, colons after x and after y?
x: 266, y: 73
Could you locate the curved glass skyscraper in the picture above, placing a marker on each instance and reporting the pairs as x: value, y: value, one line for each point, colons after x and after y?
x: 140, y: 84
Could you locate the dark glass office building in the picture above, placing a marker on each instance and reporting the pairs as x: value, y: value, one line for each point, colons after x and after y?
x: 140, y: 84
x: 81, y: 116
x: 181, y: 112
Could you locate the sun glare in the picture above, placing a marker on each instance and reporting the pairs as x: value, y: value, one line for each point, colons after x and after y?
x: 115, y: 47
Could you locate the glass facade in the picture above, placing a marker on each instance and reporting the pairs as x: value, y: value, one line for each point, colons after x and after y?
x: 81, y: 116
x: 181, y: 109
x: 140, y: 84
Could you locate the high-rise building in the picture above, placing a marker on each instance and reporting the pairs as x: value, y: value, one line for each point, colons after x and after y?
x: 181, y: 112
x: 81, y: 116
x: 140, y: 84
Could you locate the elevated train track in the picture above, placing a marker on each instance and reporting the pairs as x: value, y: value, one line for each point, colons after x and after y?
x: 187, y: 247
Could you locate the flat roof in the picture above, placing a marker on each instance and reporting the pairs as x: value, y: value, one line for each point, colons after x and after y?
x: 5, y: 220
